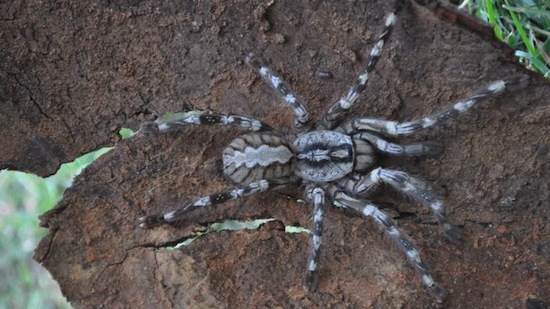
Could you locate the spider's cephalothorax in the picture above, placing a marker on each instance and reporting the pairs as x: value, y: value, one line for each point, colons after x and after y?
x: 323, y: 156
x: 335, y: 161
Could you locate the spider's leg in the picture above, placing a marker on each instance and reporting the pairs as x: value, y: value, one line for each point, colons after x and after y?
x: 427, y: 148
x: 401, y: 128
x: 335, y: 112
x: 385, y: 222
x: 302, y: 115
x: 210, y: 119
x: 317, y: 195
x: 421, y: 191
x: 174, y: 216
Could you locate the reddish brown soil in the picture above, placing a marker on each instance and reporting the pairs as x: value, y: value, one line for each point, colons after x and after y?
x: 74, y: 73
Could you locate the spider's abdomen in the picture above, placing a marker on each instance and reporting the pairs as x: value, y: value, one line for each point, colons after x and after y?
x: 323, y: 155
x: 255, y: 156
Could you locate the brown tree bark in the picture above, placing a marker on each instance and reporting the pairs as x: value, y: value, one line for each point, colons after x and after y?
x: 74, y: 73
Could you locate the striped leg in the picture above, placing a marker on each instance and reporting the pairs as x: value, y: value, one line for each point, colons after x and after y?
x: 334, y: 114
x: 317, y: 195
x: 420, y: 191
x: 210, y: 119
x: 428, y: 148
x: 302, y: 115
x: 370, y: 210
x: 396, y: 128
x: 152, y: 221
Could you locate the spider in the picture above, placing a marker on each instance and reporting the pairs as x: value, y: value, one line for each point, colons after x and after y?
x: 334, y: 160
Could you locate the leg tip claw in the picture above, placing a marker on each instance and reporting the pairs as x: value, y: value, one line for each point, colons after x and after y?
x: 438, y: 292
x: 311, y: 282
x: 149, y: 222
x: 453, y: 233
x: 432, y: 148
x: 251, y: 60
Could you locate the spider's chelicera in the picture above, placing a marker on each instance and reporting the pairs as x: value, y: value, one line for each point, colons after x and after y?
x: 335, y: 161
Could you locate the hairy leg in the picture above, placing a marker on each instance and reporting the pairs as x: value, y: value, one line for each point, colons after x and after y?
x: 419, y: 190
x: 302, y: 115
x: 337, y: 110
x: 395, y: 128
x: 317, y: 196
x: 427, y: 148
x: 174, y: 216
x: 370, y: 210
x: 208, y: 119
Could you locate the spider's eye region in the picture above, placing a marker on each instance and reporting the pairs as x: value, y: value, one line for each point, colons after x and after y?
x: 323, y: 155
x: 323, y: 152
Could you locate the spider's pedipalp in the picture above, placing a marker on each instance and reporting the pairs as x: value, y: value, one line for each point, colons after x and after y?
x: 420, y: 191
x: 358, y: 185
x: 302, y: 115
x: 386, y: 223
x: 395, y: 128
x: 317, y: 196
x: 177, y: 215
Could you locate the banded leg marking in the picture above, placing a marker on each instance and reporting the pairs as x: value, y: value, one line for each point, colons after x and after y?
x: 211, y: 119
x: 317, y: 195
x: 401, y: 128
x: 427, y: 148
x: 174, y: 216
x: 337, y: 110
x: 412, y: 253
x: 302, y: 115
x: 421, y: 191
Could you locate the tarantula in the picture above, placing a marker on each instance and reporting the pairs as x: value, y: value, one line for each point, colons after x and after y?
x: 335, y: 161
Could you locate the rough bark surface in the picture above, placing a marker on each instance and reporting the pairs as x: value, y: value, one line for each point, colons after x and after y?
x: 74, y: 73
